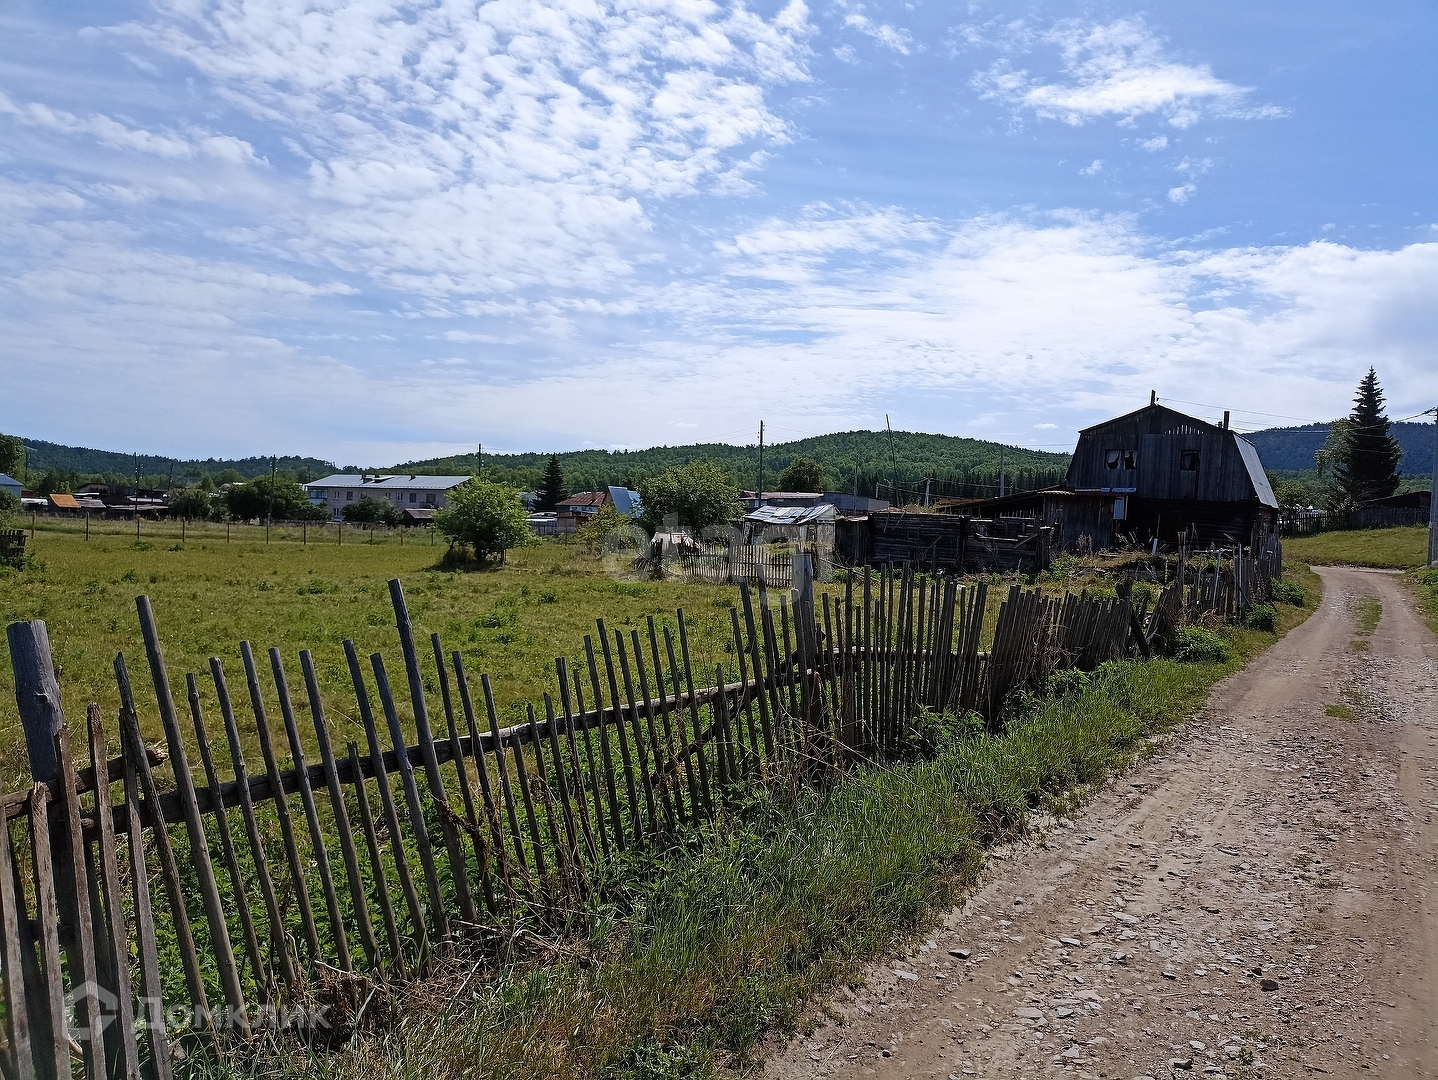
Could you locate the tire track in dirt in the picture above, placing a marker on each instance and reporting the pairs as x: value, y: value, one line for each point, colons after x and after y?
x: 1254, y: 900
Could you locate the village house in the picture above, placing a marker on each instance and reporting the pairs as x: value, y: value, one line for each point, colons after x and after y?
x: 404, y: 491
x: 574, y: 511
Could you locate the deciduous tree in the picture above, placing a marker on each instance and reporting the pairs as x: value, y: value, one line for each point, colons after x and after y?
x: 698, y: 495
x: 486, y: 517
x: 802, y: 474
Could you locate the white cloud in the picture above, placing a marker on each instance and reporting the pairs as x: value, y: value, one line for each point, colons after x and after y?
x: 1182, y: 194
x: 1116, y: 69
x: 1158, y: 142
x: 1045, y: 427
x: 1094, y: 169
x: 895, y: 38
x: 118, y: 136
x: 452, y: 150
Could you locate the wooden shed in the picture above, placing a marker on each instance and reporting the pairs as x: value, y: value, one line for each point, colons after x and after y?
x: 1168, y: 473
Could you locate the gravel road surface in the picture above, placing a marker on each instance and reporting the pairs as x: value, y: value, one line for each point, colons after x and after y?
x: 1253, y: 900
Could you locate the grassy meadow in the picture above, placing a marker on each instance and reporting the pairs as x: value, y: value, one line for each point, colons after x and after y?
x: 207, y: 595
x: 1388, y: 549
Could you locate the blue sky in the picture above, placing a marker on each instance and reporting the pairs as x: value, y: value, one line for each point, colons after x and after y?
x: 370, y: 230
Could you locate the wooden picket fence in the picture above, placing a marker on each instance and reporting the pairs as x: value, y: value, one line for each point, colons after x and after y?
x: 360, y: 866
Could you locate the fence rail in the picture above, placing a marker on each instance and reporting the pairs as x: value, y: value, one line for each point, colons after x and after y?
x: 365, y: 864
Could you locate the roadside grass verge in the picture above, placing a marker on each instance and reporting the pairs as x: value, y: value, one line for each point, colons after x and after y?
x: 1386, y: 549
x: 692, y: 962
x: 1425, y: 584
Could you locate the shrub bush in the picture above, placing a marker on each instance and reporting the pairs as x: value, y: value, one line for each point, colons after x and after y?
x: 1196, y: 645
x: 1262, y: 617
x: 1286, y: 592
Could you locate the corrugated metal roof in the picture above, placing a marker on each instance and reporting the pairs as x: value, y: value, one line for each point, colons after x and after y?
x: 63, y: 501
x: 792, y: 515
x: 8, y: 481
x: 625, y: 501
x: 584, y: 498
x: 1254, y: 464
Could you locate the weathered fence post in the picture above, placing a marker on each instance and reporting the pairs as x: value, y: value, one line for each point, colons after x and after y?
x: 37, y: 695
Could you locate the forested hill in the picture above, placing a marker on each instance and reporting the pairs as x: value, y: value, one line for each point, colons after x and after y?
x: 48, y: 457
x: 1294, y: 447
x: 957, y: 466
x: 862, y: 459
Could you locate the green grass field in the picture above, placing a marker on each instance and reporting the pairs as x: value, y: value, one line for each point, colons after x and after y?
x: 1395, y: 549
x: 207, y: 596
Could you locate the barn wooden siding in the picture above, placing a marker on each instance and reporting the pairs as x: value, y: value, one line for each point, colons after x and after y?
x: 1159, y: 437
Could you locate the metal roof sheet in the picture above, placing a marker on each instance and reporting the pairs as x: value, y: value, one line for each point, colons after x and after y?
x: 63, y: 501
x: 1254, y: 464
x: 792, y: 515
x: 389, y: 482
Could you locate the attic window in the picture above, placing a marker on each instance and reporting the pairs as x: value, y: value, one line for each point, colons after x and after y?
x: 1119, y: 459
x: 1188, y: 461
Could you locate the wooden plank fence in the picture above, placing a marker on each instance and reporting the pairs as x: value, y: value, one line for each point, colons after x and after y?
x: 284, y: 890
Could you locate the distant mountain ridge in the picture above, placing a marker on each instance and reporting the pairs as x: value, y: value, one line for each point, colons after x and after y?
x: 1292, y: 448
x: 955, y: 466
x: 42, y: 456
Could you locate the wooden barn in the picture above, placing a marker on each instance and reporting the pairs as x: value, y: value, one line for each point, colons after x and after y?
x: 1169, y: 473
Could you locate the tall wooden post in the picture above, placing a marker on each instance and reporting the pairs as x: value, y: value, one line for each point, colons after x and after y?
x: 1433, y: 499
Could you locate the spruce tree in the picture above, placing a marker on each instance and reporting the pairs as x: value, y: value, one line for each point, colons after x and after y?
x: 551, y: 488
x: 1366, y: 460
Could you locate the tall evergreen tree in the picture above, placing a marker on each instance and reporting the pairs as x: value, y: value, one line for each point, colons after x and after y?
x: 1365, y: 461
x: 551, y: 488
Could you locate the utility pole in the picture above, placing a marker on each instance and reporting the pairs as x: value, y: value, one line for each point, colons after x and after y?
x: 759, y: 483
x: 1433, y: 499
x: 928, y: 480
x: 270, y: 513
x: 1001, y: 472
x: 137, y: 498
x: 479, y: 459
x: 893, y: 463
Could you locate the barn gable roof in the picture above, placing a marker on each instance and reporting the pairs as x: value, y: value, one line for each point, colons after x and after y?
x: 1167, y: 420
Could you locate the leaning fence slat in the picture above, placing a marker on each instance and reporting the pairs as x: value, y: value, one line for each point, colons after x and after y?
x: 299, y: 881
x: 151, y: 992
x: 73, y: 898
x: 454, y: 851
x: 12, y: 967
x: 694, y: 714
x: 595, y: 783
x: 540, y: 785
x: 227, y: 843
x: 376, y: 861
x: 358, y: 901
x: 48, y: 916
x: 581, y: 801
x: 571, y: 831
x: 636, y: 817
x: 199, y: 845
x: 279, y: 939
x: 696, y: 804
x: 604, y: 752
x: 658, y: 772
x: 505, y: 788
x: 671, y: 764
x: 312, y: 817
x: 641, y: 754
x: 462, y: 771
x: 486, y: 788
x: 760, y: 675
x: 387, y: 807
x: 418, y: 829
x: 536, y: 842
x: 169, y: 871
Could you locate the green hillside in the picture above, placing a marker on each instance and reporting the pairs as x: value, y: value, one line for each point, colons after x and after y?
x: 1292, y: 448
x: 79, y: 462
x: 850, y: 459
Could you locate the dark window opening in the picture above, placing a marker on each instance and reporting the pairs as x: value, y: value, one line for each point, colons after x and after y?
x: 1120, y: 459
x: 1188, y: 461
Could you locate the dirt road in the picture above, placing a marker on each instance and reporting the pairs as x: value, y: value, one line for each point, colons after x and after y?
x: 1255, y: 900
